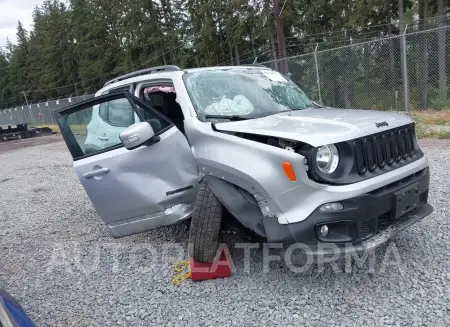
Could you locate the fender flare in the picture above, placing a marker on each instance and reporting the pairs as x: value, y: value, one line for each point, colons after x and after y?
x: 239, y: 202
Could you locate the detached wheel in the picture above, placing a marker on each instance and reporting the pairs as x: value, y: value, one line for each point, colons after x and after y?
x: 205, y: 225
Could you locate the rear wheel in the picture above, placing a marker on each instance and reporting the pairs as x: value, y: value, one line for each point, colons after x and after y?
x: 205, y: 225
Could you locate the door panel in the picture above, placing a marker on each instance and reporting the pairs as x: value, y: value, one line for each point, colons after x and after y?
x: 135, y: 190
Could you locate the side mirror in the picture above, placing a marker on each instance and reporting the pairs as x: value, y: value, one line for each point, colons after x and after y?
x: 136, y: 135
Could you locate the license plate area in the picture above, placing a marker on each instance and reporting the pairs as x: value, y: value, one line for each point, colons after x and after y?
x: 406, y: 200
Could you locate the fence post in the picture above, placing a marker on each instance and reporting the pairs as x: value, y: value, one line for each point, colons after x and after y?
x: 317, y: 73
x: 405, y: 69
x: 31, y: 115
x: 50, y: 112
x: 24, y: 116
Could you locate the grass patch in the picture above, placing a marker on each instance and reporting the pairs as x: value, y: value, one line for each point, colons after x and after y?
x: 54, y: 128
x: 76, y: 129
x: 432, y: 117
x: 427, y: 132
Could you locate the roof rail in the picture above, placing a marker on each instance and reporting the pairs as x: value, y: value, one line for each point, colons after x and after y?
x: 256, y: 65
x: 167, y: 68
x: 245, y: 65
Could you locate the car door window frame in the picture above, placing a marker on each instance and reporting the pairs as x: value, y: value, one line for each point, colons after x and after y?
x: 72, y: 144
x: 123, y: 88
x: 154, y: 82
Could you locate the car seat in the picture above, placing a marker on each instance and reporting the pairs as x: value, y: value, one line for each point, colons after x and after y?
x: 172, y: 110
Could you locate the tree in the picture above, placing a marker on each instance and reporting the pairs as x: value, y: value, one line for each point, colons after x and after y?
x: 77, y: 45
x: 18, y: 67
x: 5, y: 93
x: 280, y: 35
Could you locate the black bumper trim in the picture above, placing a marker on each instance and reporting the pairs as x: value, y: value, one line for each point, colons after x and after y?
x: 375, y: 241
x: 370, y: 218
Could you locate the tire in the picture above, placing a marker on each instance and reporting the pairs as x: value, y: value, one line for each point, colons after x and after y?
x: 205, y: 225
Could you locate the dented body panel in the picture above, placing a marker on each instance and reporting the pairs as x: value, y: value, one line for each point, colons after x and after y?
x: 242, y: 161
x: 257, y: 169
x: 319, y: 126
x: 132, y: 196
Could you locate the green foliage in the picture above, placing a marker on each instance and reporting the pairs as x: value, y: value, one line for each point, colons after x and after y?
x: 77, y: 45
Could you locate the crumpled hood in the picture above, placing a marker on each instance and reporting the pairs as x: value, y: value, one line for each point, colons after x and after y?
x: 319, y: 126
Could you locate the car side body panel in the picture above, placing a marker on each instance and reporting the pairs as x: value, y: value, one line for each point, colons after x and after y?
x: 144, y: 188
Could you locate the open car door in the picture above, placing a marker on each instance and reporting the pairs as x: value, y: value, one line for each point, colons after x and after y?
x: 149, y: 182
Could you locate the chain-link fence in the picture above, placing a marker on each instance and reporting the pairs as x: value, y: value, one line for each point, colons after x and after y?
x: 380, y: 74
x: 38, y: 113
x: 403, y: 72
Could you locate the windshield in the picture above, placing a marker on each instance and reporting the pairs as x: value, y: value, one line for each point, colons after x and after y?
x: 247, y: 92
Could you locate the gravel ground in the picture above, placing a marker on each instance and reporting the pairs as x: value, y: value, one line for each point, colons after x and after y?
x: 59, y: 261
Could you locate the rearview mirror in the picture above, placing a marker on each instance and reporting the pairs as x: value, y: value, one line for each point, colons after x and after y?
x: 136, y: 135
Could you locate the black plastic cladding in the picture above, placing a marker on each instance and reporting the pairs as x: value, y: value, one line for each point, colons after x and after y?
x: 370, y: 156
x: 400, y: 141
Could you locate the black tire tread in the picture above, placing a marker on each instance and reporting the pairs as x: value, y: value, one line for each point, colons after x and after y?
x: 205, y: 225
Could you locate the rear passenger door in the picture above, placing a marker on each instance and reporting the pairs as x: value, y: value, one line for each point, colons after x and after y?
x: 132, y: 190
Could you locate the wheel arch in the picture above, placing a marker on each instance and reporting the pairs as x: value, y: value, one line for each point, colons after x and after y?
x: 239, y: 202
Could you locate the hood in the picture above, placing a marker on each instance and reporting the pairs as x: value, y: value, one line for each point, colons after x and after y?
x: 319, y: 126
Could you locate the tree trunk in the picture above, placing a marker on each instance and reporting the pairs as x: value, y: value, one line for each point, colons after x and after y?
x: 270, y: 33
x: 238, y: 62
x: 280, y: 37
x: 441, y: 51
x: 252, y: 40
x: 219, y: 21
x: 423, y: 64
x: 163, y: 55
x: 230, y: 46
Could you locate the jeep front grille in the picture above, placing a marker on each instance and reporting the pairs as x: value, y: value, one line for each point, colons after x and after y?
x: 384, y: 149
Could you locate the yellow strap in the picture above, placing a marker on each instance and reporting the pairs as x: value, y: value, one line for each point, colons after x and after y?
x: 181, y: 276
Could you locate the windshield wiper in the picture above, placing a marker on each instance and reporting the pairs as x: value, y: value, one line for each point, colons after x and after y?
x: 230, y: 117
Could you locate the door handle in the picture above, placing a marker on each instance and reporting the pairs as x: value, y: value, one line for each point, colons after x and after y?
x: 96, y: 172
x: 103, y: 138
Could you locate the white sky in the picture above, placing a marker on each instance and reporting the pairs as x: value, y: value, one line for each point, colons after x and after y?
x: 11, y: 11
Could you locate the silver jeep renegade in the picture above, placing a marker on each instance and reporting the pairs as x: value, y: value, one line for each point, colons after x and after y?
x: 163, y: 144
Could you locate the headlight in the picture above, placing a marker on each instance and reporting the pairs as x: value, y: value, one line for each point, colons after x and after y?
x: 327, y: 158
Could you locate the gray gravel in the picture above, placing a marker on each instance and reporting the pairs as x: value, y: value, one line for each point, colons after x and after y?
x: 59, y: 261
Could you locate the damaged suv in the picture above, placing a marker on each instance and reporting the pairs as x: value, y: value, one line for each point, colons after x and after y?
x: 164, y: 144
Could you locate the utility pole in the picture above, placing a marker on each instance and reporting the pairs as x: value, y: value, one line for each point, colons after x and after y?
x: 280, y: 37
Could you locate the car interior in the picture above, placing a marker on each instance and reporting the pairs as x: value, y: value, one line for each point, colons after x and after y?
x: 163, y: 99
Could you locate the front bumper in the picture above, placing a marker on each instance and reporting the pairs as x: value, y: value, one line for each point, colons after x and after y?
x: 366, y: 222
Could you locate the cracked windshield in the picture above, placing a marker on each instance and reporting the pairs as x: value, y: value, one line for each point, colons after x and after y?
x: 247, y: 93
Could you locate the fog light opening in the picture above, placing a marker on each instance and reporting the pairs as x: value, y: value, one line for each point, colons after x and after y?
x: 332, y: 206
x: 324, y: 230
